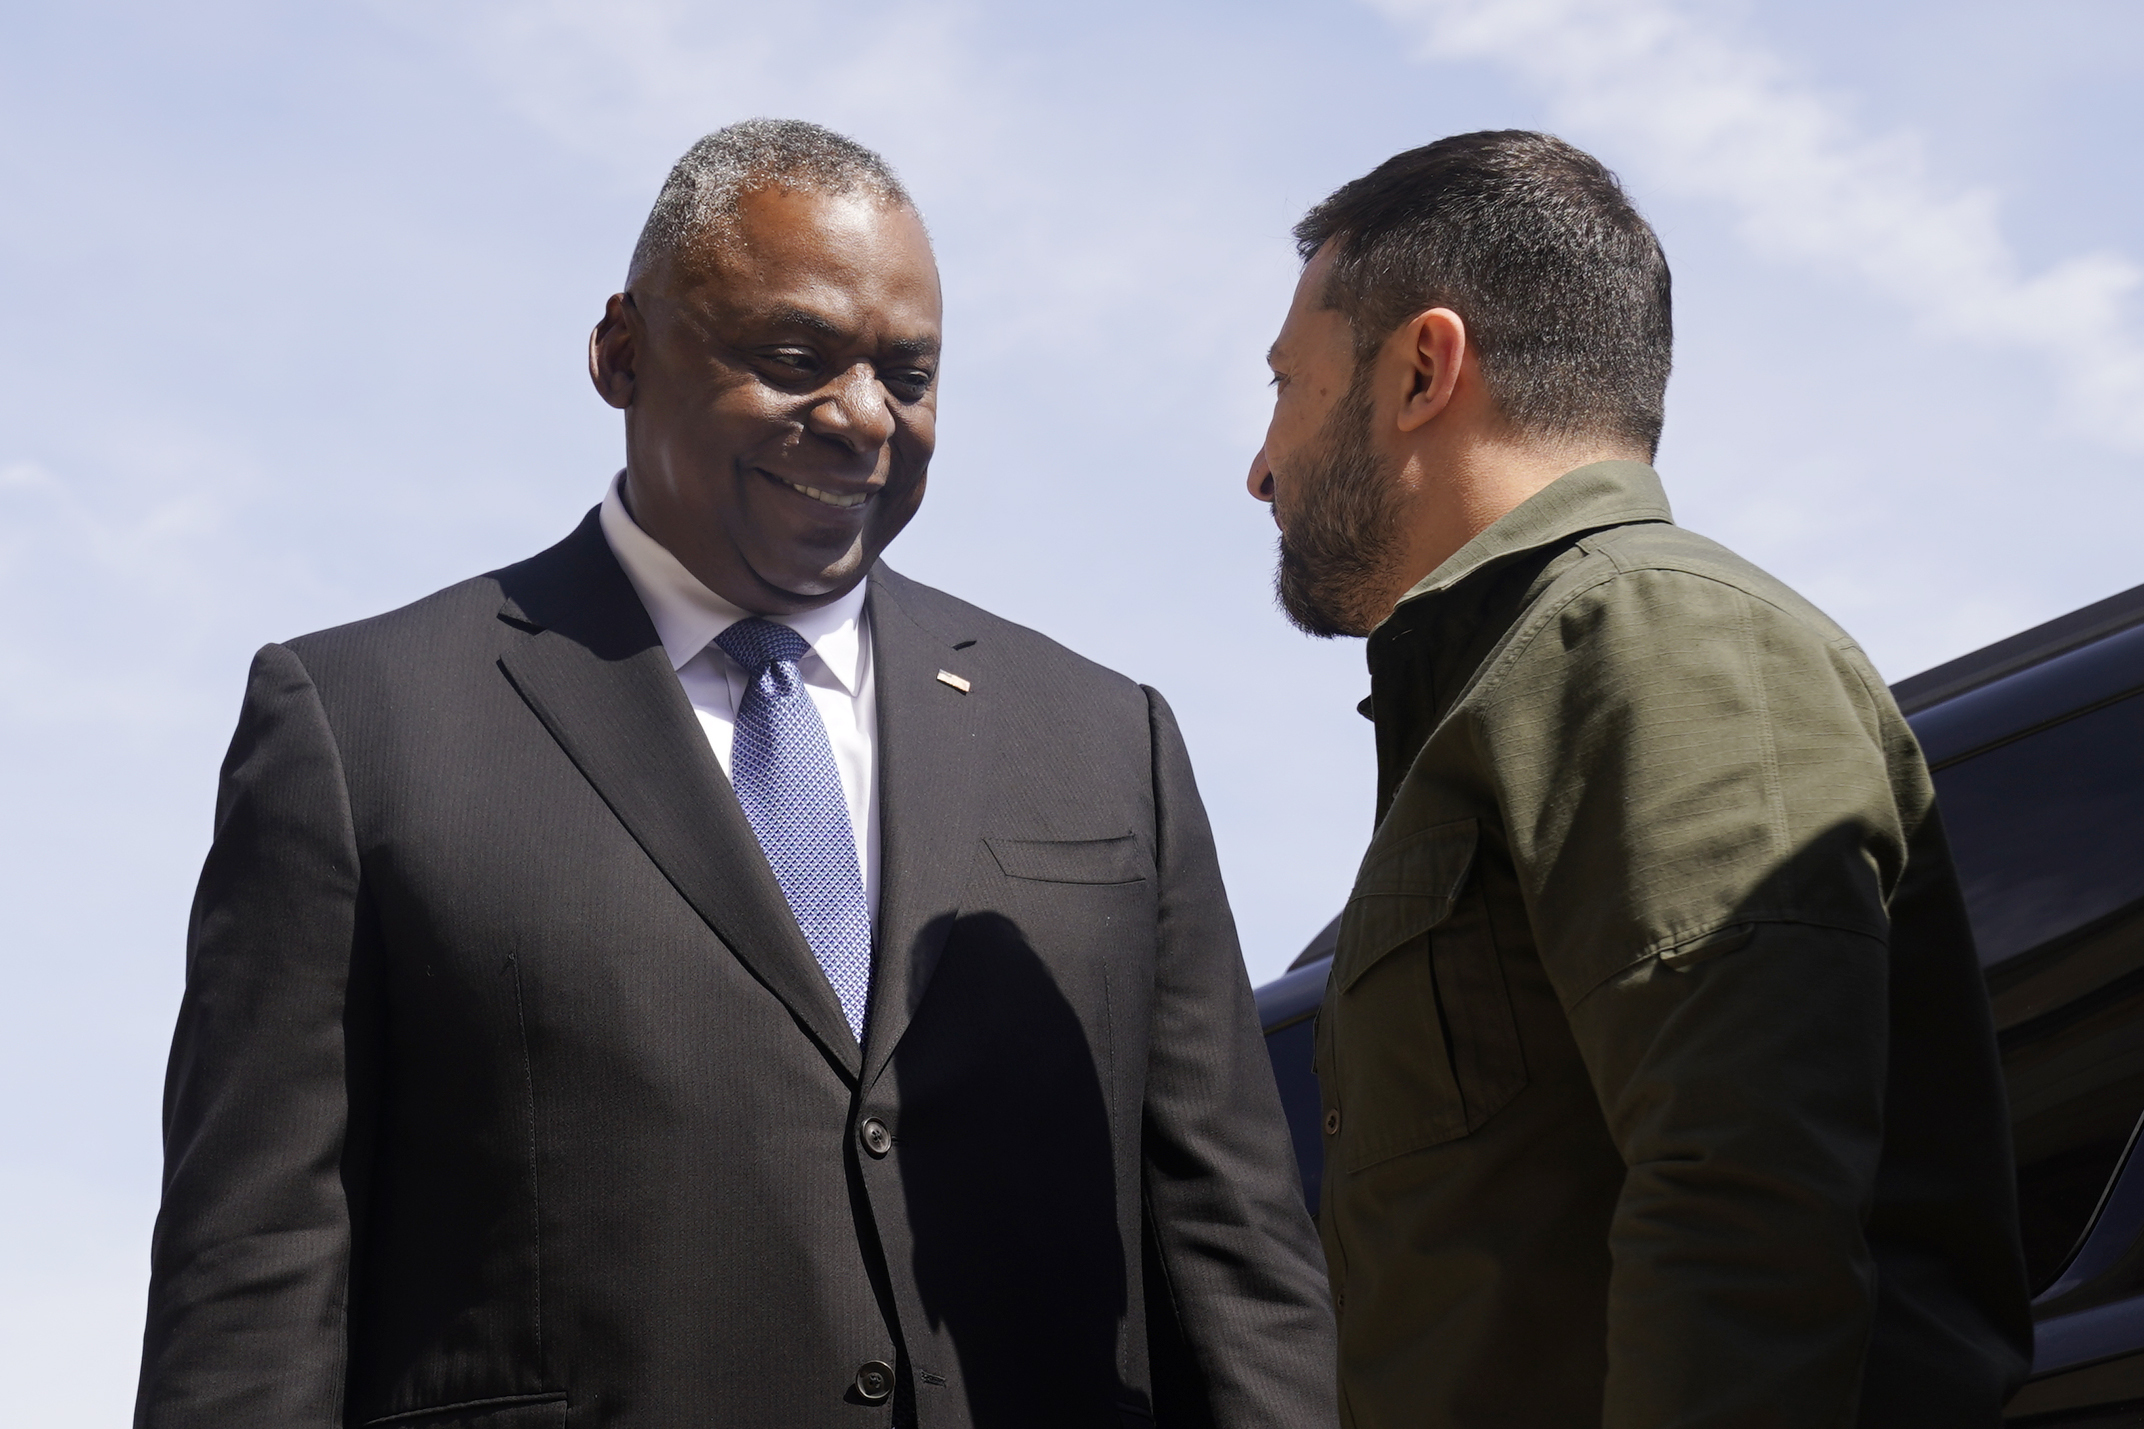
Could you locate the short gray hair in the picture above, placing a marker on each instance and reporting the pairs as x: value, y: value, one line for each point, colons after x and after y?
x: 700, y: 197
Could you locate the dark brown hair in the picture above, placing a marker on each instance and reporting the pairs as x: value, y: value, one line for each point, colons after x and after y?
x: 1562, y: 285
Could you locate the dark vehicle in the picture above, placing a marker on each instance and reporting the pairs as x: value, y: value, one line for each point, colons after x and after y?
x: 2037, y: 745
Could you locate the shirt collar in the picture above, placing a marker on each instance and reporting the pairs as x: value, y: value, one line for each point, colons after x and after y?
x: 1604, y: 493
x: 688, y: 616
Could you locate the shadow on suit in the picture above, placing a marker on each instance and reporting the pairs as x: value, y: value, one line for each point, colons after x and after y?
x: 1011, y: 1188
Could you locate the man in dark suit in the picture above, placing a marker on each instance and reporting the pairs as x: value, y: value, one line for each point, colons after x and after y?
x: 697, y: 976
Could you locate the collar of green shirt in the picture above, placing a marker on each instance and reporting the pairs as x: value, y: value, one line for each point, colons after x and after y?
x: 1599, y: 495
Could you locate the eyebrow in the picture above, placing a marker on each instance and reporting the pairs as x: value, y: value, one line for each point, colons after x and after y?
x: 827, y: 328
x: 809, y: 321
x: 1273, y: 355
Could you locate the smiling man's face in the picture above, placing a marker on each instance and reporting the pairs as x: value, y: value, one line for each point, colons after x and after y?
x: 781, y: 395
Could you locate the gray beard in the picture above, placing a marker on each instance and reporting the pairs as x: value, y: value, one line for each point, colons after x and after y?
x: 1342, y: 536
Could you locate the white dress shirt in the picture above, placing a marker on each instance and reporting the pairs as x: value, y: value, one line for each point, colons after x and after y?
x: 837, y: 673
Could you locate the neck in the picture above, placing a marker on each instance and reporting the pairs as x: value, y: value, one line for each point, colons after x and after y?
x: 1463, y: 490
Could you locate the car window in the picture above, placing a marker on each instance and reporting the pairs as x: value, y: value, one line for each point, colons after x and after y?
x: 2048, y: 830
x: 2048, y: 834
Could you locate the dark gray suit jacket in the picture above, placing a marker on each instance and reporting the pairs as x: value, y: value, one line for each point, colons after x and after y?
x: 505, y: 1091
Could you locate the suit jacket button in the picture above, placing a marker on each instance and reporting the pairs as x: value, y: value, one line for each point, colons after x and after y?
x: 874, y: 1381
x: 878, y: 1141
x: 1332, y: 1122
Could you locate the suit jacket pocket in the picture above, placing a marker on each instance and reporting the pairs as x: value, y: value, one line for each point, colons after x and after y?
x: 520, y: 1411
x: 1116, y: 860
x: 1423, y: 1047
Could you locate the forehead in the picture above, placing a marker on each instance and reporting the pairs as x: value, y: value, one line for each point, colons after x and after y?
x: 850, y: 258
x: 1311, y: 327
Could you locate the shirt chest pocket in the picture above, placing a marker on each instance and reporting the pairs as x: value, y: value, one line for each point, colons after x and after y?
x: 1417, y: 1044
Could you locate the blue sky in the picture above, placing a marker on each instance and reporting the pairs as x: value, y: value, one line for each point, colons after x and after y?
x: 297, y: 295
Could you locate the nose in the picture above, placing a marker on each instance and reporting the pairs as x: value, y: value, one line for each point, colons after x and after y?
x: 1260, y: 481
x: 854, y: 411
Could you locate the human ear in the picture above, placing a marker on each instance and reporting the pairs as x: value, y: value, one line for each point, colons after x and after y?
x: 1433, y: 345
x: 614, y: 350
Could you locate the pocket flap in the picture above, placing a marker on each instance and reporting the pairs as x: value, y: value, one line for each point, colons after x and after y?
x: 1116, y: 860
x: 1402, y: 892
x: 513, y: 1411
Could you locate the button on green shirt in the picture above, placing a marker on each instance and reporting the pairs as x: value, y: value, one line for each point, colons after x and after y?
x: 1660, y: 1086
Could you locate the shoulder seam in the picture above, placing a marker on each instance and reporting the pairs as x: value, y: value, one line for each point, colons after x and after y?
x: 1485, y: 683
x: 1540, y: 619
x: 1775, y: 798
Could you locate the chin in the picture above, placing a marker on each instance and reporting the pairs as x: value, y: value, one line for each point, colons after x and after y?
x: 800, y: 577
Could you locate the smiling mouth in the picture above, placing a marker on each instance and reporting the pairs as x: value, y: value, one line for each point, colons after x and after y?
x: 831, y: 498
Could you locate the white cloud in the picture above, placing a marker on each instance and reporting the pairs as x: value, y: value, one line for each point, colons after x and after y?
x: 1709, y: 113
x: 630, y: 82
x: 89, y: 548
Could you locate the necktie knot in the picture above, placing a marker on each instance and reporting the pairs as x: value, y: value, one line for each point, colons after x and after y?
x: 758, y: 644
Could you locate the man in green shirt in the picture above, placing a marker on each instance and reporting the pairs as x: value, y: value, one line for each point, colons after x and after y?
x: 1659, y: 1082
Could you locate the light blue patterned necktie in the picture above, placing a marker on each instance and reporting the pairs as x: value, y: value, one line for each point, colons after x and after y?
x: 783, y: 770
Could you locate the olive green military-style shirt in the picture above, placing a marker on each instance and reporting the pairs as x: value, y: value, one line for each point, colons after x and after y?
x: 1659, y: 1082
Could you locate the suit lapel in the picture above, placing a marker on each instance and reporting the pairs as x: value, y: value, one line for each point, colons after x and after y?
x: 596, y: 675
x: 934, y: 754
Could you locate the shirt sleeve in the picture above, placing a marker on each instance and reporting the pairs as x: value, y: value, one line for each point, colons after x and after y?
x: 1701, y: 809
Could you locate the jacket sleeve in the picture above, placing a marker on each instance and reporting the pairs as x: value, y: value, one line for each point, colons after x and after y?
x: 1701, y: 811
x: 250, y: 1266
x: 1228, y: 1235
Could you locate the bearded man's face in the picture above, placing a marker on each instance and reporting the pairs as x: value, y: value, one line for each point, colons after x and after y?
x: 1339, y: 514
